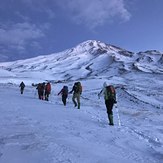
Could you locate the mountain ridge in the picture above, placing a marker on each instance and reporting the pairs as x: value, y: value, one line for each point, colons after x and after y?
x: 88, y: 59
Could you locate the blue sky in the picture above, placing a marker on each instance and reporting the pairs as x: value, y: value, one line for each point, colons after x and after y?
x: 30, y: 28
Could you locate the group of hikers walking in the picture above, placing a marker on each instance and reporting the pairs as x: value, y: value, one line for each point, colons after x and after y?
x: 76, y: 90
x: 44, y: 90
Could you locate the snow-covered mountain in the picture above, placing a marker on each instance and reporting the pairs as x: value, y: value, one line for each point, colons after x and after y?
x: 45, y: 132
x: 88, y: 59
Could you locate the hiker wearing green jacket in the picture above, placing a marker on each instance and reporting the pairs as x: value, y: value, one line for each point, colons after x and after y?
x: 110, y: 99
x: 77, y: 90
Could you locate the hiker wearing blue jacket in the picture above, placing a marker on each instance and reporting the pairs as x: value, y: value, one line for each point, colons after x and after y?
x: 64, y: 93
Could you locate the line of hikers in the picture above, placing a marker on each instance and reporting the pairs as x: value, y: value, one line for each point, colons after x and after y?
x: 44, y: 90
x: 76, y: 90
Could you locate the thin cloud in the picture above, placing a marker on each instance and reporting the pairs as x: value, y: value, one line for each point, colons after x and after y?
x: 95, y: 13
x: 51, y: 14
x: 18, y: 35
x: 45, y: 6
x: 91, y: 13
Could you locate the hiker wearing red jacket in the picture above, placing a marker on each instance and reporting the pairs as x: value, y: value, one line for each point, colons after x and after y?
x: 47, y: 91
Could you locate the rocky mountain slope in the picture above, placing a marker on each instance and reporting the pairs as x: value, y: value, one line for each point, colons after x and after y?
x: 88, y: 59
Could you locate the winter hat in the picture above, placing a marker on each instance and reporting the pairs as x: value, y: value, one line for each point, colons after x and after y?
x: 104, y: 84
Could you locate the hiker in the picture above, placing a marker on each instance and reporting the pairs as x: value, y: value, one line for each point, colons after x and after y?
x: 40, y: 88
x: 77, y: 90
x: 103, y: 90
x: 22, y: 86
x: 110, y: 99
x: 47, y: 91
x: 64, y: 93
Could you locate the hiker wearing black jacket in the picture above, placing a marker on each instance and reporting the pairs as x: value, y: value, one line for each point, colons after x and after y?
x: 41, y: 88
x: 22, y: 86
x: 64, y: 93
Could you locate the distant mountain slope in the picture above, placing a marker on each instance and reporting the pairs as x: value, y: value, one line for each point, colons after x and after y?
x: 88, y: 59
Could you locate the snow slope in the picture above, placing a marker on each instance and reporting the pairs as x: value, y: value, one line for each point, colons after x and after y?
x: 47, y: 132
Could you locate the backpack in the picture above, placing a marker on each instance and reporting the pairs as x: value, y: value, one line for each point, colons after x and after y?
x: 48, y: 87
x: 111, y: 94
x: 78, y: 87
x: 65, y: 90
x: 22, y: 85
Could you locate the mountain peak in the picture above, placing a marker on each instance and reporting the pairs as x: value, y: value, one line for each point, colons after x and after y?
x: 88, y: 59
x: 95, y: 47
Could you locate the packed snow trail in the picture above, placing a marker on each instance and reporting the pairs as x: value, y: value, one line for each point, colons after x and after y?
x: 38, y: 131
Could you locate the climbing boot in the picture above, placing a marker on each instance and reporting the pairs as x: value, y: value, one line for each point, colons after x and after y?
x: 78, y: 105
x: 110, y: 116
x: 75, y: 104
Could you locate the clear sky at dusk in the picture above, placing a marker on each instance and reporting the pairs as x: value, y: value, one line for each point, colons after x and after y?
x: 30, y: 28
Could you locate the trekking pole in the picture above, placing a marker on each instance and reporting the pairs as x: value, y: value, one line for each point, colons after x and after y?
x: 119, y: 121
x: 84, y: 97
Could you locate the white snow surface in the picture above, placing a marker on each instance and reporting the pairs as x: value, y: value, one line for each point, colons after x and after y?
x: 38, y: 131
